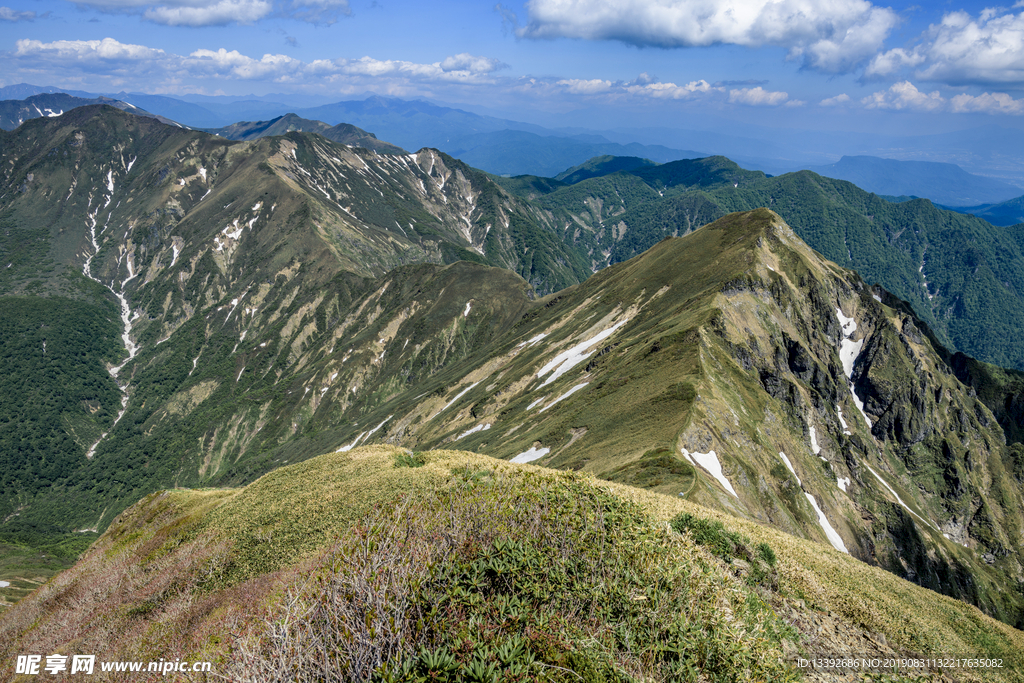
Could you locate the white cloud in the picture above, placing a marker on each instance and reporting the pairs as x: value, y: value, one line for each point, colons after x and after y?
x: 828, y: 35
x: 580, y: 87
x: 108, y: 58
x: 904, y: 95
x: 223, y: 12
x: 223, y: 62
x: 219, y: 13
x: 987, y: 103
x: 890, y: 62
x: 471, y: 63
x: 8, y: 14
x: 962, y: 49
x: 758, y: 97
x: 670, y: 90
x: 87, y: 51
x: 842, y: 98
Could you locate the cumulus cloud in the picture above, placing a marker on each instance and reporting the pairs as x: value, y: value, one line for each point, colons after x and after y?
x: 8, y: 14
x: 223, y: 62
x: 758, y: 97
x: 224, y: 12
x: 109, y: 57
x: 581, y: 87
x: 471, y: 63
x: 670, y: 90
x: 216, y: 14
x: 987, y: 103
x: 828, y: 35
x: 904, y: 95
x: 835, y: 101
x: 86, y: 51
x: 963, y: 50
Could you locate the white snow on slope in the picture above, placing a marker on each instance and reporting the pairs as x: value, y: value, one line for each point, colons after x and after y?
x: 570, y: 358
x: 349, y: 447
x: 830, y: 533
x: 531, y: 455
x: 834, y: 538
x: 846, y: 428
x: 465, y: 313
x: 539, y: 400
x: 849, y: 325
x: 897, y: 496
x: 843, y: 482
x: 790, y: 466
x: 474, y: 430
x: 814, y: 442
x: 457, y: 397
x: 532, y: 340
x: 848, y: 352
x: 378, y: 427
x: 709, y: 461
x: 565, y: 395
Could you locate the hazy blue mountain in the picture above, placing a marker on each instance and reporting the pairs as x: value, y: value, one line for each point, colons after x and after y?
x: 15, y: 112
x: 24, y: 90
x: 1006, y: 213
x: 344, y: 133
x: 946, y: 184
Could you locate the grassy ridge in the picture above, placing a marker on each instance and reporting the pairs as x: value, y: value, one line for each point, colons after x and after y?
x: 963, y: 276
x: 182, y: 569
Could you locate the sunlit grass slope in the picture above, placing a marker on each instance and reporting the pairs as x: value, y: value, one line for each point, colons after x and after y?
x: 380, y: 564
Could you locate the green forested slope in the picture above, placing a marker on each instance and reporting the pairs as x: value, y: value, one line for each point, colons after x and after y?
x: 963, y: 276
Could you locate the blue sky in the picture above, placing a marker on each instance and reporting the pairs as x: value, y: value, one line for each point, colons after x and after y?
x: 795, y: 62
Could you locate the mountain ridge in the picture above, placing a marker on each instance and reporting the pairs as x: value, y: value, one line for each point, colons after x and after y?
x: 273, y: 317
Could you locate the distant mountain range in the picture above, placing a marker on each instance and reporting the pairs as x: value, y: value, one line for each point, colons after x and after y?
x: 187, y: 310
x: 945, y: 184
x: 498, y: 146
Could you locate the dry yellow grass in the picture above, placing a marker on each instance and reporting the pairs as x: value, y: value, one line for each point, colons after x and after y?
x: 206, y: 560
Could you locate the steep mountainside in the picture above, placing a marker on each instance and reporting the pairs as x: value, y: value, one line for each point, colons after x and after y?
x: 288, y: 296
x: 13, y: 113
x: 379, y: 564
x: 185, y: 253
x: 343, y: 133
x: 963, y: 276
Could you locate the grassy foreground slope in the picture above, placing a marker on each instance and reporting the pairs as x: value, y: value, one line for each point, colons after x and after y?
x: 379, y: 564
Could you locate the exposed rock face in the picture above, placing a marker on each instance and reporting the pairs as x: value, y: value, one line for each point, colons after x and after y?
x: 287, y: 297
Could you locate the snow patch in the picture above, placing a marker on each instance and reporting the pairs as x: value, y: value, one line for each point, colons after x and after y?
x: 532, y: 340
x: 349, y: 447
x: 474, y: 430
x: 465, y: 313
x: 539, y: 400
x: 814, y: 442
x: 790, y: 466
x: 848, y: 352
x: 567, y: 360
x: 843, y: 482
x: 897, y: 496
x: 709, y: 461
x: 846, y: 428
x: 565, y: 395
x: 457, y: 397
x: 834, y: 538
x: 533, y: 454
